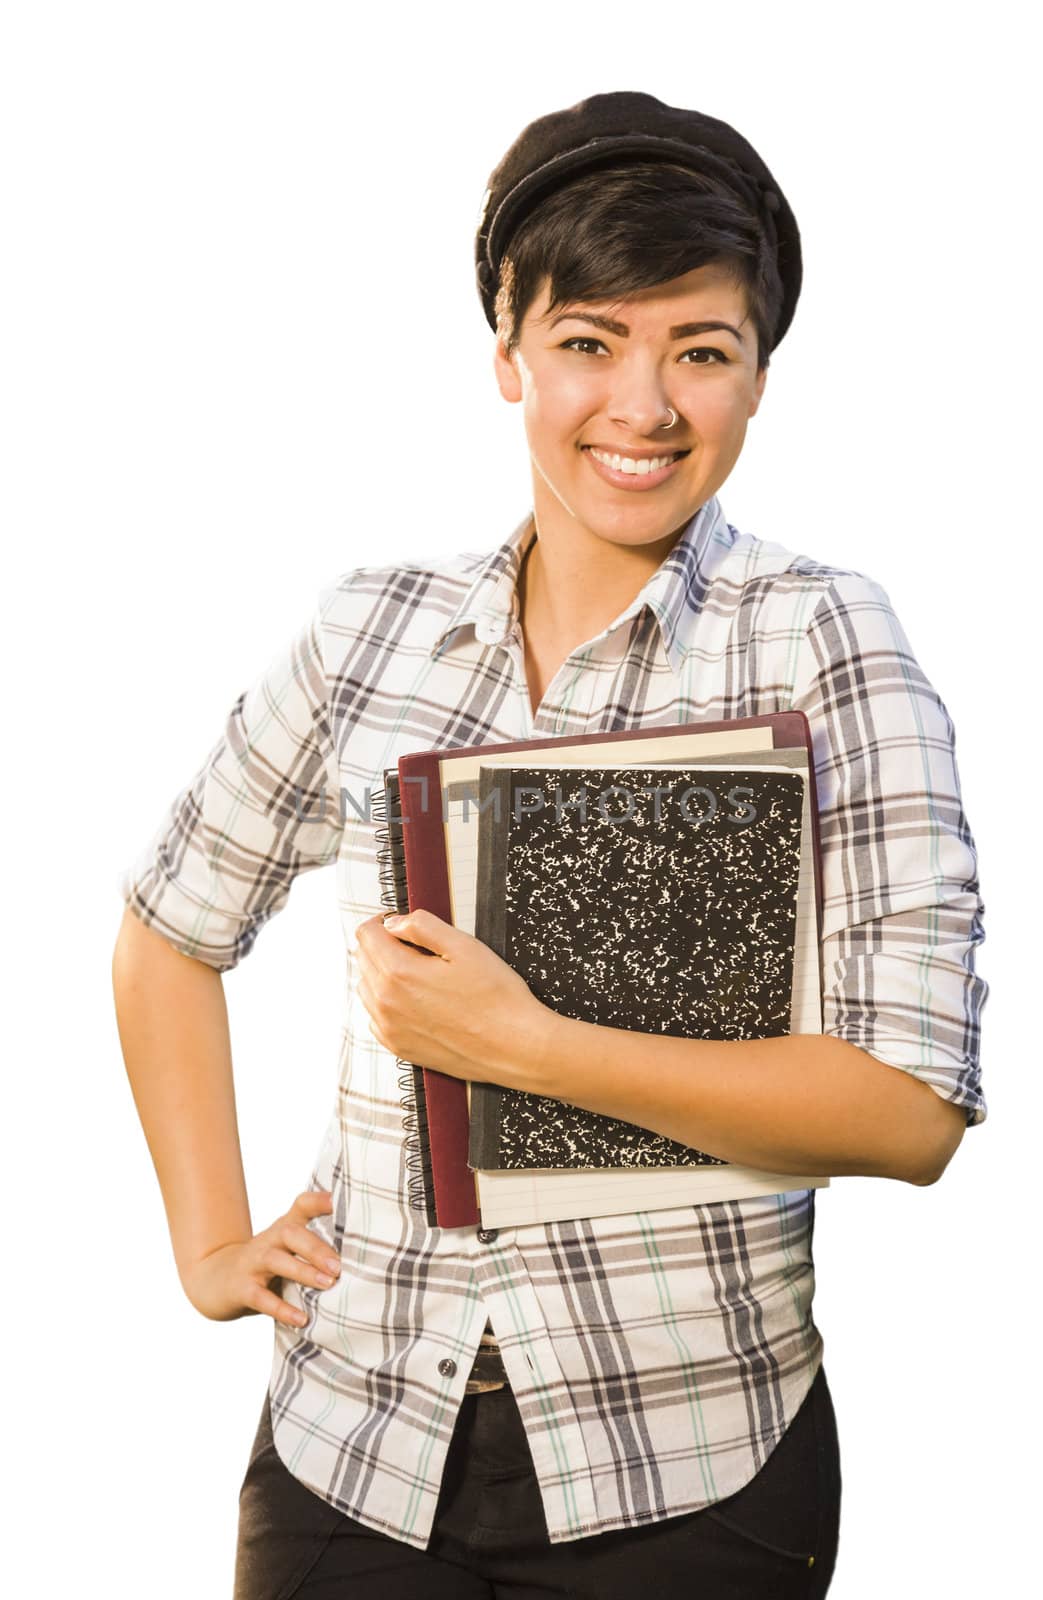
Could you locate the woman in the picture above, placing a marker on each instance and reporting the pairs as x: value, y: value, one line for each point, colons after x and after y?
x: 567, y: 1407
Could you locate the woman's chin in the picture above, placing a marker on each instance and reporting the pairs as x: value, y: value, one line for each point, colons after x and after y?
x: 636, y: 525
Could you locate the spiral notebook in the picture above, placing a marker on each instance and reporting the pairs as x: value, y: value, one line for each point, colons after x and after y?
x: 428, y: 858
x: 386, y: 810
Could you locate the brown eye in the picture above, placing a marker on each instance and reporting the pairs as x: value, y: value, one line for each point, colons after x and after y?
x: 705, y: 350
x: 577, y: 340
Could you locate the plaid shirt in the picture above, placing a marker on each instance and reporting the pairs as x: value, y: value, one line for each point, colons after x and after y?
x: 658, y: 1357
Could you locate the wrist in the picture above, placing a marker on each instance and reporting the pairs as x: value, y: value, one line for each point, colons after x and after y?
x: 541, y: 1051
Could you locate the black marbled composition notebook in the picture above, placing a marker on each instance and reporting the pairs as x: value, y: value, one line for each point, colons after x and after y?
x: 658, y: 899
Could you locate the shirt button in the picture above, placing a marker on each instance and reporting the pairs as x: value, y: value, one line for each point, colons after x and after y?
x: 487, y: 1235
x: 447, y: 1367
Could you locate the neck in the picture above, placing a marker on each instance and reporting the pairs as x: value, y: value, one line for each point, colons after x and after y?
x: 572, y: 584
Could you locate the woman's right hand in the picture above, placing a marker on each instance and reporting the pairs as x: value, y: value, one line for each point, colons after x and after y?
x: 233, y: 1280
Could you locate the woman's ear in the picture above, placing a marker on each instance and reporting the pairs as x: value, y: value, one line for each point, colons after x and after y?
x: 758, y: 390
x: 506, y: 370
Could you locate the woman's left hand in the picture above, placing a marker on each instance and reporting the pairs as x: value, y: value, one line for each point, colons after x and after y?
x: 461, y: 1011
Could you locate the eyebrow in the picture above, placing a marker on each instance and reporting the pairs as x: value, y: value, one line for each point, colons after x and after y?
x: 683, y: 330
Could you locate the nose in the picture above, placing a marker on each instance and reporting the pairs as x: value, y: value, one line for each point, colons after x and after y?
x: 639, y: 402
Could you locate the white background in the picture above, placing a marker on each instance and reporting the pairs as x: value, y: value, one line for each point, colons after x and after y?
x: 242, y: 351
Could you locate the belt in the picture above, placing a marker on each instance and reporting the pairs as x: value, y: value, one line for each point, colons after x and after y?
x: 488, y: 1371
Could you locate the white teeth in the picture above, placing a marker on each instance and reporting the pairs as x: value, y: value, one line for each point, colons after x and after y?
x: 639, y: 466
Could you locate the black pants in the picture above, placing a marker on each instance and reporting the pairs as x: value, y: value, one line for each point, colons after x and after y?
x: 776, y: 1538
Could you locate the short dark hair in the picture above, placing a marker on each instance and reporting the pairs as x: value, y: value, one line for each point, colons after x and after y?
x: 630, y: 226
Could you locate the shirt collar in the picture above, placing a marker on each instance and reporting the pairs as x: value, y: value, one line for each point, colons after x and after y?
x: 674, y: 593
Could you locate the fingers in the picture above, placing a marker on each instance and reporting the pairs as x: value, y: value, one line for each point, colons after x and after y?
x: 375, y: 943
x: 315, y: 1251
x: 295, y: 1236
x: 275, y: 1262
x: 312, y: 1202
x: 291, y: 1251
x: 270, y: 1305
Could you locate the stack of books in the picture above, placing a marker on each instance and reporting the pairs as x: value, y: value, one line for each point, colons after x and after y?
x: 660, y: 880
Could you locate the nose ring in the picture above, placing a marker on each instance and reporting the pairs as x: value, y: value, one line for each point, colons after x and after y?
x: 673, y: 419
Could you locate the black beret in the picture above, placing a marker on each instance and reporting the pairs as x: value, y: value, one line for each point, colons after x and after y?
x: 560, y: 146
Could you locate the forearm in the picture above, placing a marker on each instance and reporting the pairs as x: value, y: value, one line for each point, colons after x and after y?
x: 806, y: 1103
x: 173, y: 1027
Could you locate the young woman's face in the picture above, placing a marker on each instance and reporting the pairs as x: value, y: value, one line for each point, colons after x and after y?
x: 596, y: 381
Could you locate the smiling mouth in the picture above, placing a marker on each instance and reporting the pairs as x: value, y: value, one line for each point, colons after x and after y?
x: 633, y: 472
x: 639, y: 466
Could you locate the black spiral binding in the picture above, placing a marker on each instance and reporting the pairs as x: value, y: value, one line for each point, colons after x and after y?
x: 386, y: 808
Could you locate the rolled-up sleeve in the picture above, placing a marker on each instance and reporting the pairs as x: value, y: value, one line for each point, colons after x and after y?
x: 264, y: 806
x: 902, y: 912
